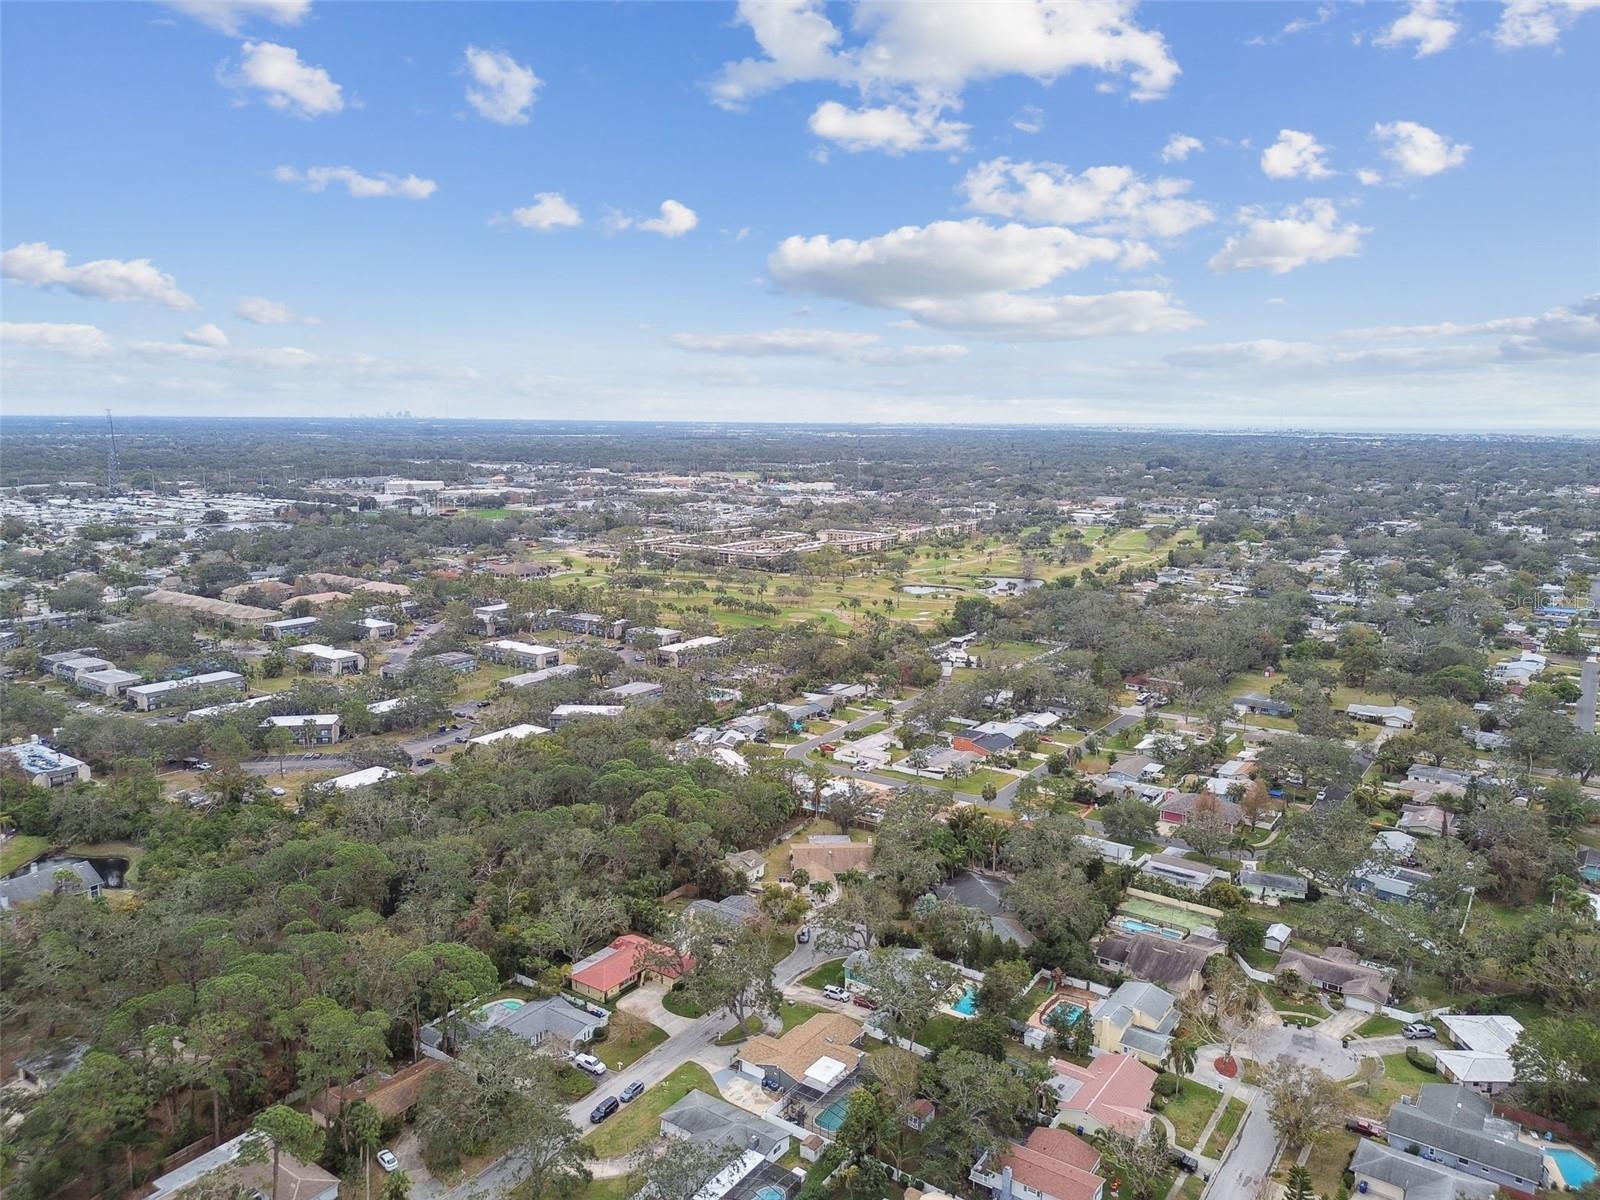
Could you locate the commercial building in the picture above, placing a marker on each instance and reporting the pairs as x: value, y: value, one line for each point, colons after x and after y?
x: 376, y: 629
x: 110, y: 682
x: 45, y: 766
x: 312, y: 729
x: 166, y: 693
x: 562, y: 713
x: 326, y: 660
x: 640, y: 691
x: 513, y: 733
x: 365, y: 777
x: 527, y: 655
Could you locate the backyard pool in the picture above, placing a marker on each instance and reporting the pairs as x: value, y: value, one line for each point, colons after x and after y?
x: 1134, y: 925
x: 1576, y: 1170
x: 830, y: 1118
x: 771, y: 1192
x: 967, y: 1006
x: 495, y: 1011
x: 1071, y: 1012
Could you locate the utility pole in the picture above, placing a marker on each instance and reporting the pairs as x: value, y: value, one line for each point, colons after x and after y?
x: 113, y: 480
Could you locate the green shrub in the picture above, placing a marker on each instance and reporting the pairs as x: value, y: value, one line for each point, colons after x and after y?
x: 1421, y: 1059
x: 1166, y: 1084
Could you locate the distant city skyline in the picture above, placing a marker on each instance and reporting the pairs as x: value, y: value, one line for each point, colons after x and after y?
x: 1339, y: 217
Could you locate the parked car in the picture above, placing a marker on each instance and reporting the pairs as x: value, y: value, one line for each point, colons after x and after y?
x: 461, y: 740
x: 1418, y: 1031
x: 834, y: 992
x: 1186, y: 1162
x: 426, y: 762
x: 861, y: 1001
x: 803, y: 936
x: 278, y: 792
x: 388, y: 1161
x: 1366, y: 1127
x: 589, y: 1063
x: 441, y: 747
x: 633, y: 1091
x: 604, y: 1109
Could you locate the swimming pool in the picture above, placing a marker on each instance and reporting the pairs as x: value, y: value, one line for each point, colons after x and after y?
x: 1134, y: 925
x: 771, y: 1192
x: 967, y: 1006
x: 1576, y: 1170
x: 496, y: 1011
x: 830, y: 1118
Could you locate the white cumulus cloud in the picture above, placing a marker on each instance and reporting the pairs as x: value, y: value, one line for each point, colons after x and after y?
x: 1107, y: 199
x: 1179, y: 146
x: 1311, y: 232
x: 317, y: 179
x: 79, y: 341
x: 38, y: 265
x: 229, y: 16
x: 502, y: 89
x: 1417, y: 150
x: 675, y: 220
x: 1526, y: 23
x: 260, y: 311
x: 286, y: 83
x: 1431, y: 24
x: 970, y: 276
x: 890, y: 128
x: 207, y: 335
x: 549, y: 210
x: 1295, y: 154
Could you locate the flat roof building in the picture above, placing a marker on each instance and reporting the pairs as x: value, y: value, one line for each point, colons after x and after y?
x: 167, y: 692
x: 528, y: 655
x: 326, y: 660
x: 45, y: 766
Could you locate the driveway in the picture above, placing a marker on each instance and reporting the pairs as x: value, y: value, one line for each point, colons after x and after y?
x: 1584, y: 717
x: 644, y: 1002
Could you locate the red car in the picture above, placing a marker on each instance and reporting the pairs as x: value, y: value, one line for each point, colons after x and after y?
x: 861, y: 1001
x: 1365, y: 1127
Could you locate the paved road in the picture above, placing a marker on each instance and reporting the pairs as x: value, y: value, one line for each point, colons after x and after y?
x: 1584, y: 717
x: 696, y: 1042
x: 401, y: 653
x: 1111, y: 728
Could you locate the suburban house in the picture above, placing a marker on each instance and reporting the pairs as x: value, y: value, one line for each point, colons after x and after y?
x: 527, y: 655
x: 551, y: 1024
x: 1155, y: 959
x: 1482, y: 1057
x: 871, y: 752
x: 312, y: 729
x: 1136, y: 768
x: 1182, y: 807
x: 1456, y: 1126
x: 1395, y: 716
x: 1424, y: 820
x: 813, y: 1058
x: 1341, y: 972
x: 1262, y: 706
x: 1397, y: 884
x: 1272, y: 888
x: 45, y: 766
x: 991, y: 737
x: 167, y: 692
x: 707, y: 1119
x: 1114, y: 852
x: 326, y: 660
x: 829, y: 855
x: 731, y: 910
x: 52, y: 877
x: 939, y: 762
x: 752, y: 864
x: 1589, y: 865
x: 1181, y: 871
x: 1112, y: 1092
x: 628, y: 961
x: 297, y: 1180
x: 1137, y: 1019
x: 1052, y: 1164
x: 1389, y: 1174
x: 394, y: 1096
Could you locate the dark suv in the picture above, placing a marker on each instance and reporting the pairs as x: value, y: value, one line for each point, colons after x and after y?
x: 603, y: 1110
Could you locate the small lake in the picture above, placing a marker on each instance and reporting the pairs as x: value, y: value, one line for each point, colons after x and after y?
x: 925, y: 589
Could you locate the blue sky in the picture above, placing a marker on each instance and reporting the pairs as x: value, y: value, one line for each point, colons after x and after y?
x: 1226, y: 215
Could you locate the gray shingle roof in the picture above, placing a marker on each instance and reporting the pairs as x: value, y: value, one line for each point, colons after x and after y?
x: 1458, y: 1121
x: 707, y: 1118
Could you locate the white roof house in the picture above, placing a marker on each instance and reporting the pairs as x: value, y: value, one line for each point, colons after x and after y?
x: 565, y: 712
x: 320, y: 720
x: 1489, y: 1035
x: 514, y: 732
x: 365, y: 777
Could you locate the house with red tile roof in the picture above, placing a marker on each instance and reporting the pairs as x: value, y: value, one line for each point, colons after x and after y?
x: 1052, y: 1164
x: 1112, y: 1092
x: 625, y: 963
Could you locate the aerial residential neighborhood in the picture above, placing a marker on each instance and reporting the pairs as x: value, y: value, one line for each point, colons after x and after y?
x: 800, y: 600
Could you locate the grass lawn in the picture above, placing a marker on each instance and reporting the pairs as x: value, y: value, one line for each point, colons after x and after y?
x: 939, y: 1031
x: 1227, y: 1124
x: 1379, y: 1025
x: 19, y: 851
x: 1190, y: 1109
x: 1192, y: 1188
x: 680, y: 1005
x: 616, y: 1187
x: 640, y: 1121
x: 795, y: 1012
x: 617, y: 1053
x: 732, y: 1037
x: 1404, y: 1073
x: 1329, y: 1158
x: 828, y: 972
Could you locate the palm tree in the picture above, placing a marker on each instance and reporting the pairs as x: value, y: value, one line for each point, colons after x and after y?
x: 1181, y: 1056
